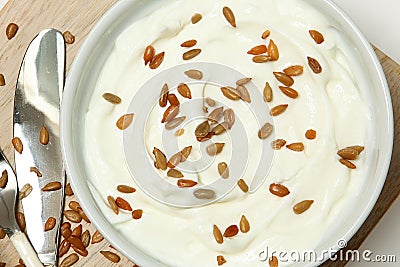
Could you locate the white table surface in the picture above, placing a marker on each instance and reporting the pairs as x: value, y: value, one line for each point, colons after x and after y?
x: 380, y: 22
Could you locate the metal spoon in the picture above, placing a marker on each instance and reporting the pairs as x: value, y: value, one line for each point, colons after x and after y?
x: 8, y: 196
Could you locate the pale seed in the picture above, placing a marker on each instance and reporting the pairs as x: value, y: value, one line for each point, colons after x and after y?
x: 229, y: 117
x: 148, y: 54
x: 220, y: 260
x: 268, y: 95
x: 298, y: 147
x: 157, y: 60
x: 348, y: 153
x: 230, y: 17
x: 183, y: 183
x: 210, y: 102
x: 72, y: 216
x: 273, y: 261
x: 2, y: 80
x: 162, y: 101
x: 18, y: 146
x: 311, y: 134
x: 185, y: 153
x: 284, y: 78
x: 161, y: 160
x: 265, y: 131
x: 97, y: 237
x: 68, y: 190
x: 205, y: 109
x: 214, y: 149
x: 230, y: 93
x: 85, y: 237
x: 275, y: 111
x: 265, y: 34
x: 113, y: 99
x: 220, y: 128
x: 196, y: 18
x: 175, y: 160
x: 49, y: 224
x: 290, y: 92
x: 257, y: 50
x: 217, y: 235
x: 70, y: 260
x: 223, y: 170
x: 278, y: 144
x: 216, y: 115
x: 244, y: 224
x: 191, y: 54
x: 231, y: 231
x: 174, y: 173
x: 126, y: 189
x: 295, y: 70
x: 314, y: 65
x: 63, y: 248
x: 202, y: 129
x: 279, y: 190
x: 113, y: 205
x: 273, y: 52
x: 302, y: 206
x: 189, y: 43
x: 243, y: 186
x: 123, y: 204
x: 170, y: 113
x: 204, y: 194
x: 25, y: 191
x: 73, y: 205
x: 35, y: 170
x: 184, y: 90
x: 172, y: 124
x: 11, y: 30
x: 347, y: 163
x: 137, y: 214
x: 69, y: 37
x: 317, y: 36
x: 261, y: 59
x: 44, y: 136
x: 194, y: 74
x: 359, y: 149
x: 52, y: 186
x: 4, y: 179
x: 20, y: 217
x: 243, y: 81
x: 243, y: 93
x: 124, y: 121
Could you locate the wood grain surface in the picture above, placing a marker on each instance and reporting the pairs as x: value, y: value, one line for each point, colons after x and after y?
x: 79, y: 16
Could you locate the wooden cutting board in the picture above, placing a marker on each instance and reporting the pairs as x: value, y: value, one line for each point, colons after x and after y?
x: 78, y: 17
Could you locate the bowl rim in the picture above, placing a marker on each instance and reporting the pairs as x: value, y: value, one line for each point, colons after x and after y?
x: 71, y: 86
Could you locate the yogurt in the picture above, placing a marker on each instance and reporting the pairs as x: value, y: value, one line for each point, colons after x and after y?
x: 334, y: 103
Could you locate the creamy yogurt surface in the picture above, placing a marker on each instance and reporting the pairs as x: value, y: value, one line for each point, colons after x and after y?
x: 334, y: 103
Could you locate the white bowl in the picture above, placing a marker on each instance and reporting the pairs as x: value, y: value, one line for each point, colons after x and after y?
x: 82, y: 79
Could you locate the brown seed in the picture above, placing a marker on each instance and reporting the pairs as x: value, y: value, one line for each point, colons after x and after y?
x: 112, y: 98
x: 220, y: 260
x: 359, y: 149
x: 123, y: 204
x: 220, y: 128
x: 70, y: 260
x: 72, y: 216
x: 273, y: 52
x: 111, y: 256
x: 85, y: 237
x: 124, y: 121
x: 202, y: 129
x: 2, y: 80
x: 174, y: 173
x: 77, y: 231
x: 52, y: 186
x: 230, y: 93
x: 261, y: 59
x: 205, y: 109
x: 113, y: 205
x: 279, y: 190
x: 294, y: 70
x: 2, y: 233
x: 268, y: 95
x: 230, y: 17
x: 265, y: 34
x: 185, y: 153
x: 184, y: 90
x: 314, y: 65
x: 97, y: 237
x: 4, y: 179
x: 217, y: 235
x: 162, y: 101
x: 157, y: 60
x: 68, y: 190
x: 66, y: 229
x: 137, y: 214
x: 170, y: 113
x: 191, y: 54
x: 302, y: 206
x: 76, y: 242
x: 231, y: 231
x: 214, y: 149
x: 284, y: 78
x: 63, y: 248
x: 243, y: 81
x: 20, y: 217
x: 244, y: 224
x: 35, y: 170
x: 229, y: 117
x: 196, y: 18
x: 205, y: 138
x: 348, y: 153
x: 204, y: 193
x: 288, y: 91
x: 82, y: 252
x: 44, y: 136
x: 257, y: 50
x: 311, y: 134
x: 189, y: 43
x: 216, y: 115
x: 194, y: 74
x: 186, y: 183
x: 25, y: 191
x: 180, y: 132
x: 298, y: 147
x: 73, y: 205
x: 172, y: 124
x: 18, y: 146
x: 173, y: 100
x: 243, y: 186
x: 265, y: 131
x: 11, y: 30
x: 69, y: 37
x: 278, y: 144
x: 223, y: 170
x: 161, y: 160
x: 243, y: 93
x: 273, y: 261
x: 126, y: 189
x: 210, y: 102
x: 148, y: 54
x: 348, y: 164
x: 83, y: 215
x: 275, y: 111
x: 317, y: 36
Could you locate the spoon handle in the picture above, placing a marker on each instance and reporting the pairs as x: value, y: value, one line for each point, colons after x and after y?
x: 25, y: 250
